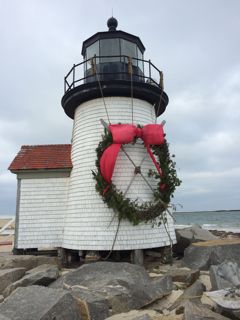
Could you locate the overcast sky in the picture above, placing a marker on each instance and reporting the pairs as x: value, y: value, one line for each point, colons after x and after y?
x: 195, y: 43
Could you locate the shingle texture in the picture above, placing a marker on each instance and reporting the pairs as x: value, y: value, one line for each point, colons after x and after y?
x: 55, y: 156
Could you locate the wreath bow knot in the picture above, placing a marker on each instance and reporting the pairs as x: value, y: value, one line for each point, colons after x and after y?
x: 151, y: 134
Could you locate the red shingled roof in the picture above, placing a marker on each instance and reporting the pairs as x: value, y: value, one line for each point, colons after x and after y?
x: 55, y: 156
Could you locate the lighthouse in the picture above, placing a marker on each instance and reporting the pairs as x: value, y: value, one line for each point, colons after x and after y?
x: 107, y: 190
x: 113, y: 85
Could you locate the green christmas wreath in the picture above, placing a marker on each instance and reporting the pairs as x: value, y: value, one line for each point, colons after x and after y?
x: 125, y: 208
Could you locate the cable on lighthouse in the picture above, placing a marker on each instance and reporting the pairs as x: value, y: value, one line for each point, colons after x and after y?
x: 161, y: 84
x: 130, y: 71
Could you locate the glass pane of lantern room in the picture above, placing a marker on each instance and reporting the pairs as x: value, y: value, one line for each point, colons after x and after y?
x: 93, y: 50
x: 129, y: 49
x: 110, y: 47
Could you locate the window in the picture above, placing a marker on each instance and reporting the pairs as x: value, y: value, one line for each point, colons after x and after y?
x: 129, y: 49
x: 93, y: 50
x: 110, y: 47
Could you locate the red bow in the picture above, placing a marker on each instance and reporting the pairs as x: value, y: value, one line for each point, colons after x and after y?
x: 125, y: 133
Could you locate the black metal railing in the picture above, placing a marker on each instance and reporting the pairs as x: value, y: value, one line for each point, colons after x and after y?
x: 100, y: 68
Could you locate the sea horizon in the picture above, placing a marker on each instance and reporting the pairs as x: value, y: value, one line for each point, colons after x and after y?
x: 222, y: 220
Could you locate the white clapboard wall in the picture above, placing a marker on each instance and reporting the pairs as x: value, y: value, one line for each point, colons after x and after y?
x: 87, y: 222
x: 41, y: 209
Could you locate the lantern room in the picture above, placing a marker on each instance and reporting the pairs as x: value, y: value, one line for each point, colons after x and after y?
x: 113, y: 52
x: 115, y: 60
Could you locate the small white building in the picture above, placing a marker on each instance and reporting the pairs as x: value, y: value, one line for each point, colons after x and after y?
x: 57, y: 204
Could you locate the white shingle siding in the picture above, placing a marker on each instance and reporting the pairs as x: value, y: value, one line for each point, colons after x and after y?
x: 42, y: 207
x: 87, y: 222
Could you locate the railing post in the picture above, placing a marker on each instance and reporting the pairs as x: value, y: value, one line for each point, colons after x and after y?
x: 149, y: 74
x: 161, y: 80
x: 74, y: 75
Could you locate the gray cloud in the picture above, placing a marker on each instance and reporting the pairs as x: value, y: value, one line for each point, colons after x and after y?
x: 195, y: 43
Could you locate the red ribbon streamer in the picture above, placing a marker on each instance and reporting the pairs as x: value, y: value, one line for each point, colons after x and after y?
x: 123, y: 134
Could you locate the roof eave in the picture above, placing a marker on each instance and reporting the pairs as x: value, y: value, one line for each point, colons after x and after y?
x: 43, y: 170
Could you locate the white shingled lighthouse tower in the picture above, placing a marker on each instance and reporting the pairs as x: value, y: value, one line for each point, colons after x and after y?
x: 108, y: 90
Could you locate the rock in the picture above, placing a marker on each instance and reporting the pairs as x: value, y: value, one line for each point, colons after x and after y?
x: 194, y: 311
x: 162, y: 269
x: 194, y: 292
x: 9, y: 276
x: 125, y: 286
x: 205, y: 300
x: 205, y: 279
x: 25, y: 261
x: 228, y: 302
x: 92, y: 305
x: 42, y: 275
x: 1, y: 298
x: 185, y: 275
x: 40, y: 303
x: 2, y: 317
x: 224, y: 299
x: 179, y: 285
x: 225, y: 275
x: 144, y: 315
x: 57, y: 284
x: 202, y: 255
x: 166, y: 302
x: 189, y: 235
x: 204, y: 272
x: 154, y: 275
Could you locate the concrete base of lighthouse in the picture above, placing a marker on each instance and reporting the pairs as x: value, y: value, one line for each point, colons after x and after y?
x: 89, y: 224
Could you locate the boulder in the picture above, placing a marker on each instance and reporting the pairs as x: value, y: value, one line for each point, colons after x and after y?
x: 57, y: 284
x: 40, y: 303
x: 225, y: 275
x: 202, y: 255
x: 186, y: 275
x: 197, y: 311
x: 125, y: 286
x: 25, y: 261
x: 194, y: 292
x: 91, y: 304
x: 2, y: 317
x: 166, y: 302
x: 144, y: 315
x: 190, y: 235
x: 228, y: 301
x: 42, y: 275
x: 9, y: 276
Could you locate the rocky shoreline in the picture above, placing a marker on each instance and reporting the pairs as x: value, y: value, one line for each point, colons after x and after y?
x: 202, y: 282
x: 225, y: 234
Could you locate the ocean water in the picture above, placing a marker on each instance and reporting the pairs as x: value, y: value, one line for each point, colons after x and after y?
x: 210, y: 220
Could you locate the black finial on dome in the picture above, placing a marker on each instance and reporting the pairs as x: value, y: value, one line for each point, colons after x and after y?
x: 112, y: 24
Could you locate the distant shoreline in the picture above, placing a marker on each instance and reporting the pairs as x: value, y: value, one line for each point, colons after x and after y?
x: 225, y: 210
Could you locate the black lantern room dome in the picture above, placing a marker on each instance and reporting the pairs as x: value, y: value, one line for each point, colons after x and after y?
x: 115, y: 59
